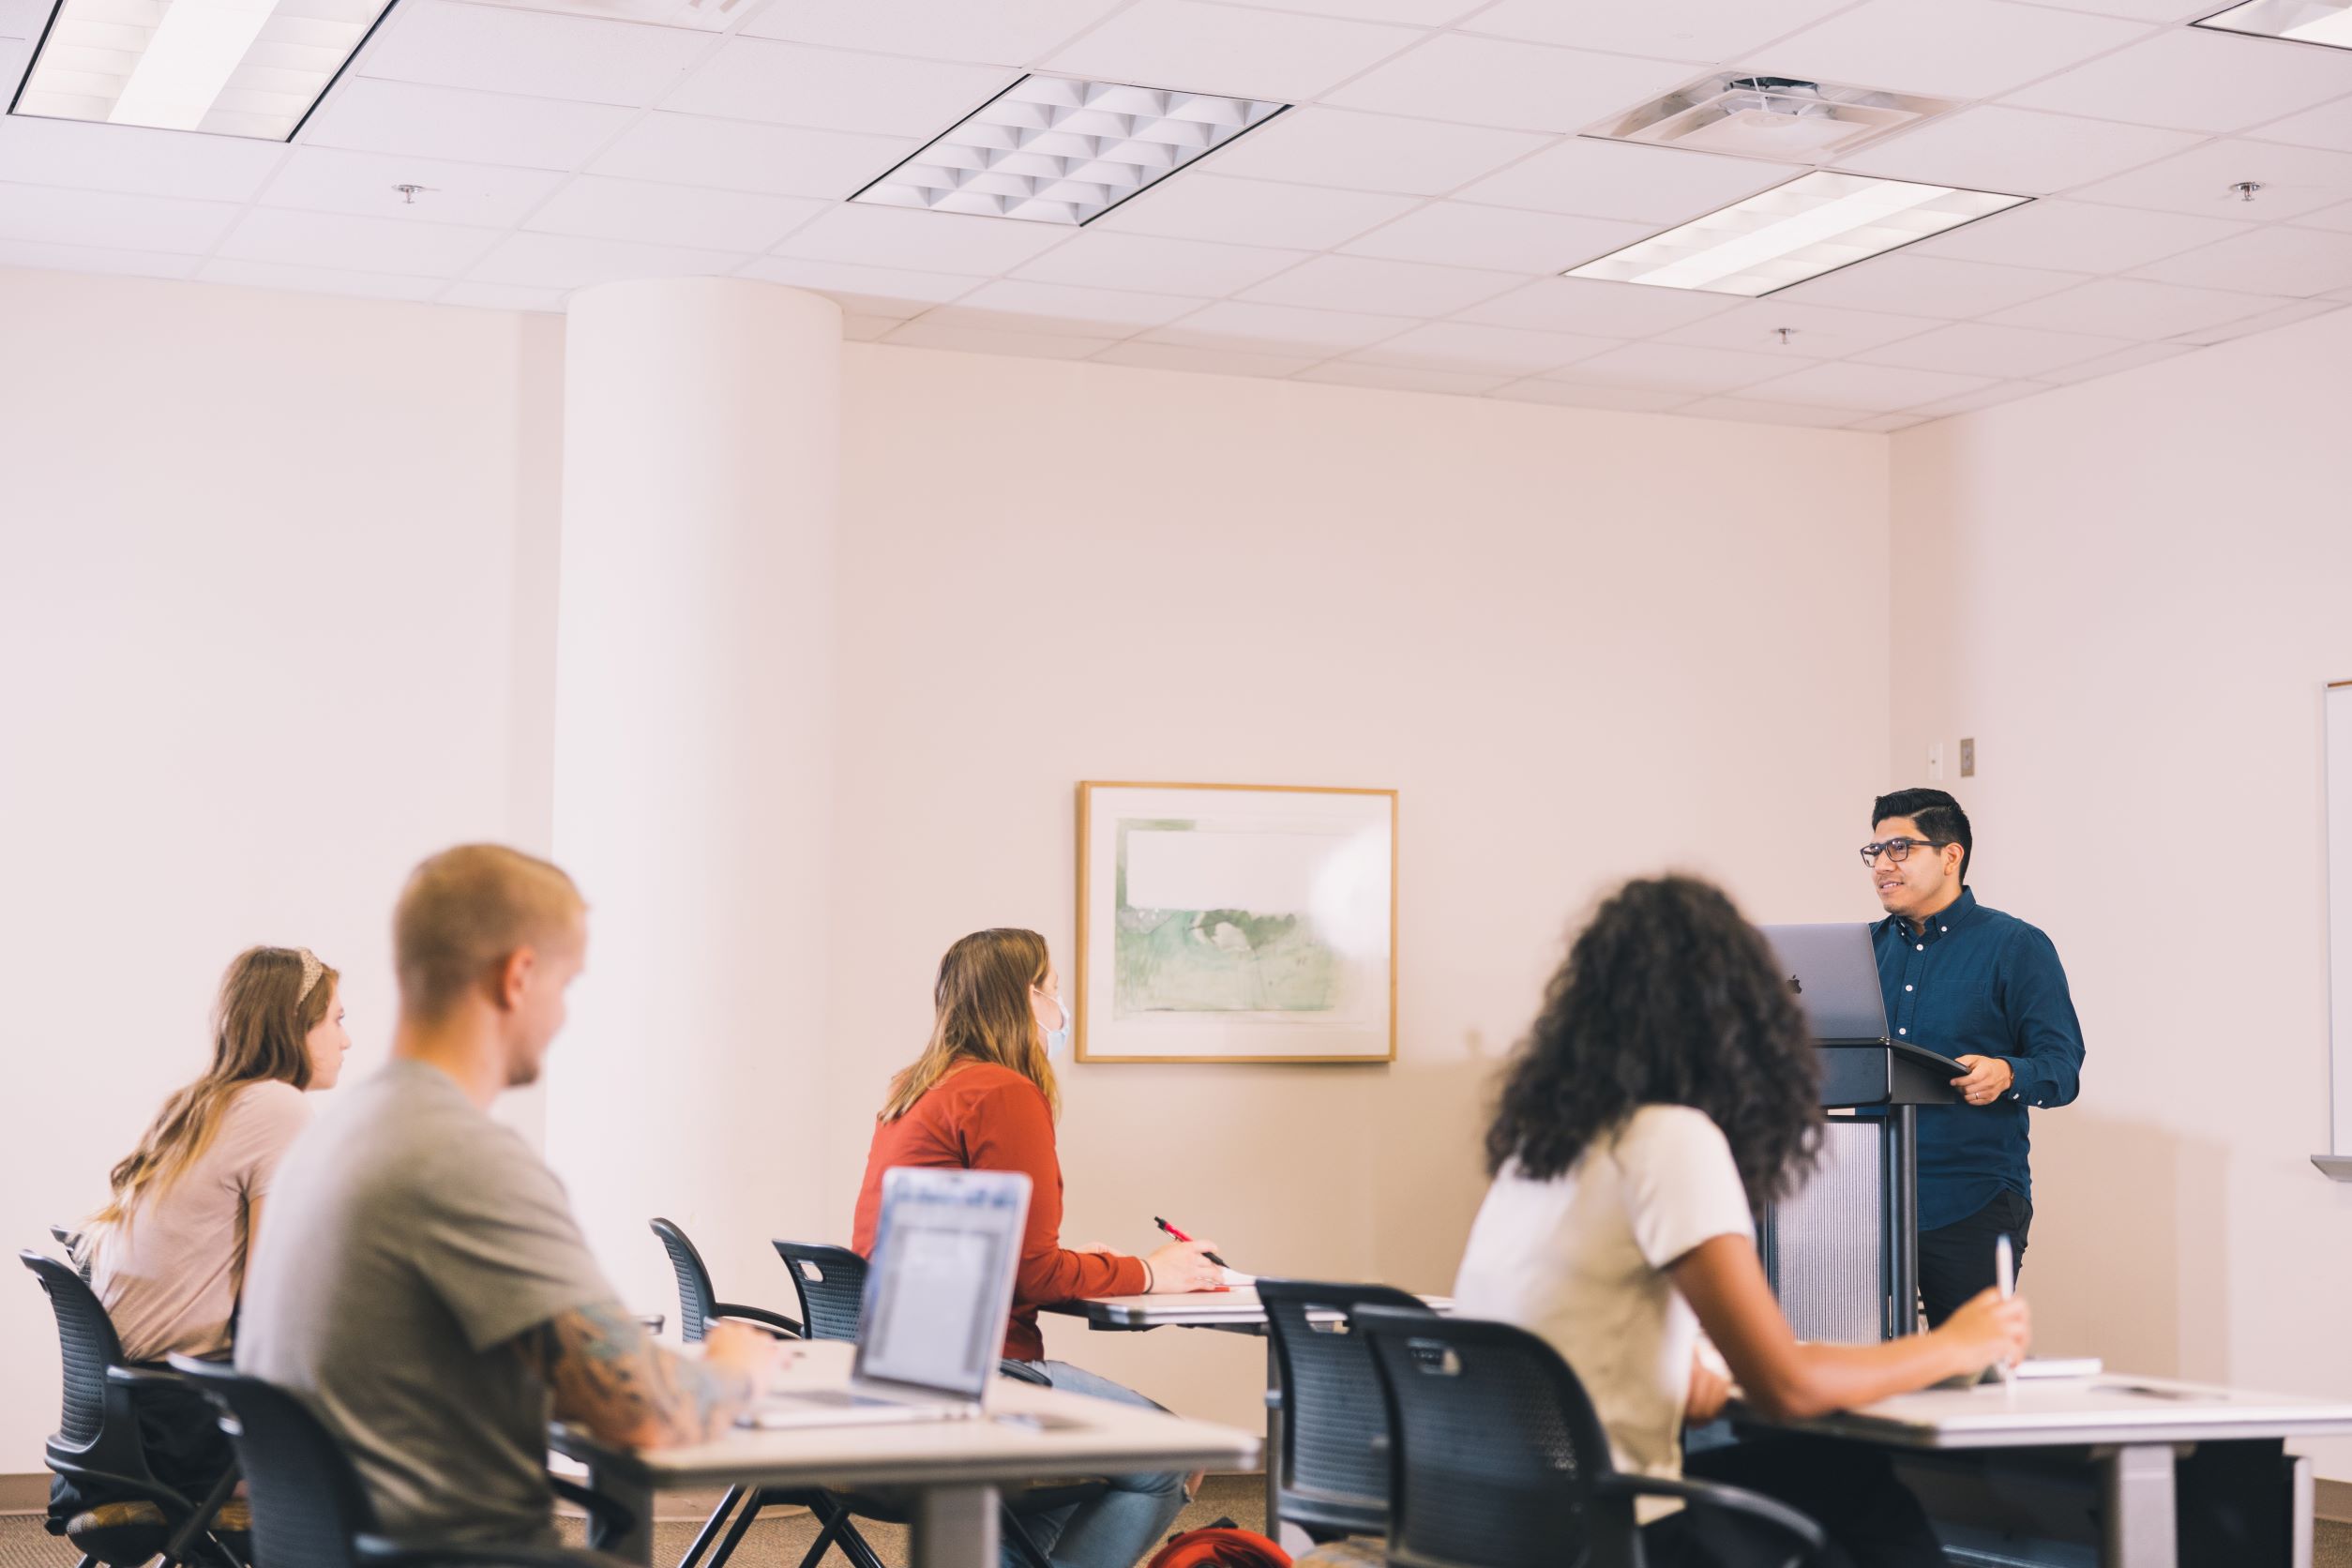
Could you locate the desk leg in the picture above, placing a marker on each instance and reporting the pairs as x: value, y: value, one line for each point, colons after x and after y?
x: 954, y: 1526
x: 1290, y: 1538
x: 2137, y: 1525
x: 637, y: 1545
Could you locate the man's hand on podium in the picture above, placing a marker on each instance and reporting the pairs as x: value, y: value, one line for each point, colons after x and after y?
x: 1989, y: 1079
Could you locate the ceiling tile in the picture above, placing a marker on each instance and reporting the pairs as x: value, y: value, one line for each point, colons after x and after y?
x: 462, y: 126
x: 1253, y: 212
x: 1887, y: 424
x: 1568, y: 395
x: 2077, y: 237
x: 2328, y: 125
x: 1906, y: 284
x: 1399, y: 377
x: 1524, y: 86
x: 999, y: 32
x: 83, y: 258
x: 2131, y: 308
x: 22, y: 19
x: 1384, y: 288
x: 1815, y: 331
x: 673, y: 215
x: 2018, y: 151
x: 921, y: 241
x: 2112, y: 364
x: 834, y: 89
x: 1700, y: 31
x: 133, y: 159
x: 1370, y: 152
x: 872, y: 290
x: 2139, y: 10
x: 1169, y: 357
x: 2338, y: 218
x: 502, y: 296
x: 1752, y: 411
x: 1867, y: 388
x: 306, y: 279
x: 1968, y: 402
x: 323, y: 179
x: 1209, y: 48
x: 2276, y: 260
x: 1497, y: 350
x: 1011, y: 304
x: 736, y: 154
x: 2294, y: 180
x: 2269, y: 320
x: 574, y: 261
x: 1966, y: 49
x: 1603, y: 310
x: 1184, y: 266
x: 1975, y: 349
x: 1586, y: 175
x: 969, y: 339
x: 2193, y: 79
x: 1668, y: 368
x: 381, y: 245
x: 1278, y: 328
x: 109, y: 221
x: 497, y: 49
x: 866, y: 329
x: 1455, y: 233
x: 1407, y: 13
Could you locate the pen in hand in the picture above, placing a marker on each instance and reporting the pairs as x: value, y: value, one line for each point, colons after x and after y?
x: 1175, y: 1234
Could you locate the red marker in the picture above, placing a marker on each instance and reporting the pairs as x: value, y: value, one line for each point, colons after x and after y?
x: 1179, y: 1235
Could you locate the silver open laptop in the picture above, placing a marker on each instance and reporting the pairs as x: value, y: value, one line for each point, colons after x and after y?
x: 938, y: 1288
x: 1834, y: 971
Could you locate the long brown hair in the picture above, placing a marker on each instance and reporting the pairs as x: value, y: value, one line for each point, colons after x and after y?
x: 260, y: 1031
x: 983, y: 1015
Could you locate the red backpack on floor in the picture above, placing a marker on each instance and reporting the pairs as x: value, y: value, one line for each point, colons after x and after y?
x: 1220, y: 1546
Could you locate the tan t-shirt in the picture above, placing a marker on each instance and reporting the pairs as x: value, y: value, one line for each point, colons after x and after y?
x: 168, y: 1274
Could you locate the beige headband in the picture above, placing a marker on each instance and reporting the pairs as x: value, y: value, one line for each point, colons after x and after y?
x: 311, y: 970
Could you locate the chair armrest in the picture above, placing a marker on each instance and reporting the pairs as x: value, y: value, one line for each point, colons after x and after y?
x: 652, y: 1322
x: 790, y: 1328
x: 1021, y: 1372
x: 377, y: 1552
x: 144, y: 1376
x: 1729, y: 1500
x: 607, y: 1518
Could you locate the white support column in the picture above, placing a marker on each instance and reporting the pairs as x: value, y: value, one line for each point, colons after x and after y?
x: 693, y: 769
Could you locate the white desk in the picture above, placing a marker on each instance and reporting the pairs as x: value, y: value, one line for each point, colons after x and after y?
x: 1234, y: 1311
x: 2129, y: 1429
x: 951, y: 1469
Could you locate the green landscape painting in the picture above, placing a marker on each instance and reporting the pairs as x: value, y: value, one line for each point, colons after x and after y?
x: 1214, y: 960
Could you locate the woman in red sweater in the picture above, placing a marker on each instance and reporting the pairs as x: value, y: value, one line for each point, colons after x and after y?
x: 981, y: 1097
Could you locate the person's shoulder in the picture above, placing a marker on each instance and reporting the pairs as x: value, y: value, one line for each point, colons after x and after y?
x: 2008, y: 928
x: 1668, y: 1132
x: 269, y: 1108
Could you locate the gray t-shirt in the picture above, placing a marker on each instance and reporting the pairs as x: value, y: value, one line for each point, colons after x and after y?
x: 409, y: 1239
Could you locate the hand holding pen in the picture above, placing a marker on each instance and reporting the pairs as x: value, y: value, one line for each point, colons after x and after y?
x: 1184, y: 1264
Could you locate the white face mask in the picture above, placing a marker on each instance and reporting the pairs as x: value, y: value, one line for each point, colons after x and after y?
x: 1057, y: 1040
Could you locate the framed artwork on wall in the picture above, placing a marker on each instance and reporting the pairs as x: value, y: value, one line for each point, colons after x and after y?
x: 1236, y: 923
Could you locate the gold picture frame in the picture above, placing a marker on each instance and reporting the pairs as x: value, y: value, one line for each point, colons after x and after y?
x: 1338, y: 837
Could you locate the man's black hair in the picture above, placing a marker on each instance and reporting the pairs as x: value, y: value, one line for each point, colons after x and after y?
x: 1939, y: 815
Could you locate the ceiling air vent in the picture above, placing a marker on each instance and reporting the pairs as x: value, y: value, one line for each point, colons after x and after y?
x: 1771, y: 117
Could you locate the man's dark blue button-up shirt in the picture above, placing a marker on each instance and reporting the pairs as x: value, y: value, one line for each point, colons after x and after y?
x: 1971, y: 981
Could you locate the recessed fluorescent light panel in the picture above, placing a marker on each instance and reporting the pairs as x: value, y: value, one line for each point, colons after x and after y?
x: 2327, y: 21
x: 229, y: 67
x: 1814, y: 224
x: 1771, y: 117
x: 1049, y: 149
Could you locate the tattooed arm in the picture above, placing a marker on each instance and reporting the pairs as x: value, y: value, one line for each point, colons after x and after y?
x: 608, y: 1376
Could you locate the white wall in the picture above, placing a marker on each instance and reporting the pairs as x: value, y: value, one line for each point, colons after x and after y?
x: 1582, y: 644
x: 276, y: 597
x: 2131, y: 593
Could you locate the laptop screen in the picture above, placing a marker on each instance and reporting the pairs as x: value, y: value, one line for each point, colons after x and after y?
x: 939, y: 1283
x: 1834, y: 971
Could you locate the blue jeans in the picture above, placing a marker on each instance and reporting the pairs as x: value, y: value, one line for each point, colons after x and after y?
x: 1123, y: 1525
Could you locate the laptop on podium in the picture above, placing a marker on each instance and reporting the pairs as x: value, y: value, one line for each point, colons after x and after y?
x: 1834, y: 973
x: 938, y: 1288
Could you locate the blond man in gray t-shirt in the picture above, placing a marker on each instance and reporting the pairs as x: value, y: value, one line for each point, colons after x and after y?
x: 421, y: 1279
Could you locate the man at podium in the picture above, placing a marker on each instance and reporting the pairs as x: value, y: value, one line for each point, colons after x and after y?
x: 1987, y: 991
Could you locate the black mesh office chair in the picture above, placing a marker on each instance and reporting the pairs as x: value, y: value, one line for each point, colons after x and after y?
x: 698, y: 1305
x: 830, y: 1284
x: 97, y: 1449
x: 1331, y: 1475
x: 69, y: 1238
x: 1497, y: 1460
x: 309, y: 1510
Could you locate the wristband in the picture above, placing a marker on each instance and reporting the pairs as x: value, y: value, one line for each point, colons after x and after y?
x: 1151, y: 1280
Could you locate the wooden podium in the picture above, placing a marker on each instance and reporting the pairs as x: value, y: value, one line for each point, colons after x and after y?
x: 1843, y: 1254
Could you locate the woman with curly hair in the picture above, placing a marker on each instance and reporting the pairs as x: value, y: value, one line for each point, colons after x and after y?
x: 1665, y: 1092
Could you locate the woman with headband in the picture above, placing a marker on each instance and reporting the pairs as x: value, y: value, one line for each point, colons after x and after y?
x: 167, y: 1253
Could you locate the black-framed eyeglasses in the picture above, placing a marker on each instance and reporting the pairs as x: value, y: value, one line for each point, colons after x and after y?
x: 1899, y: 849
